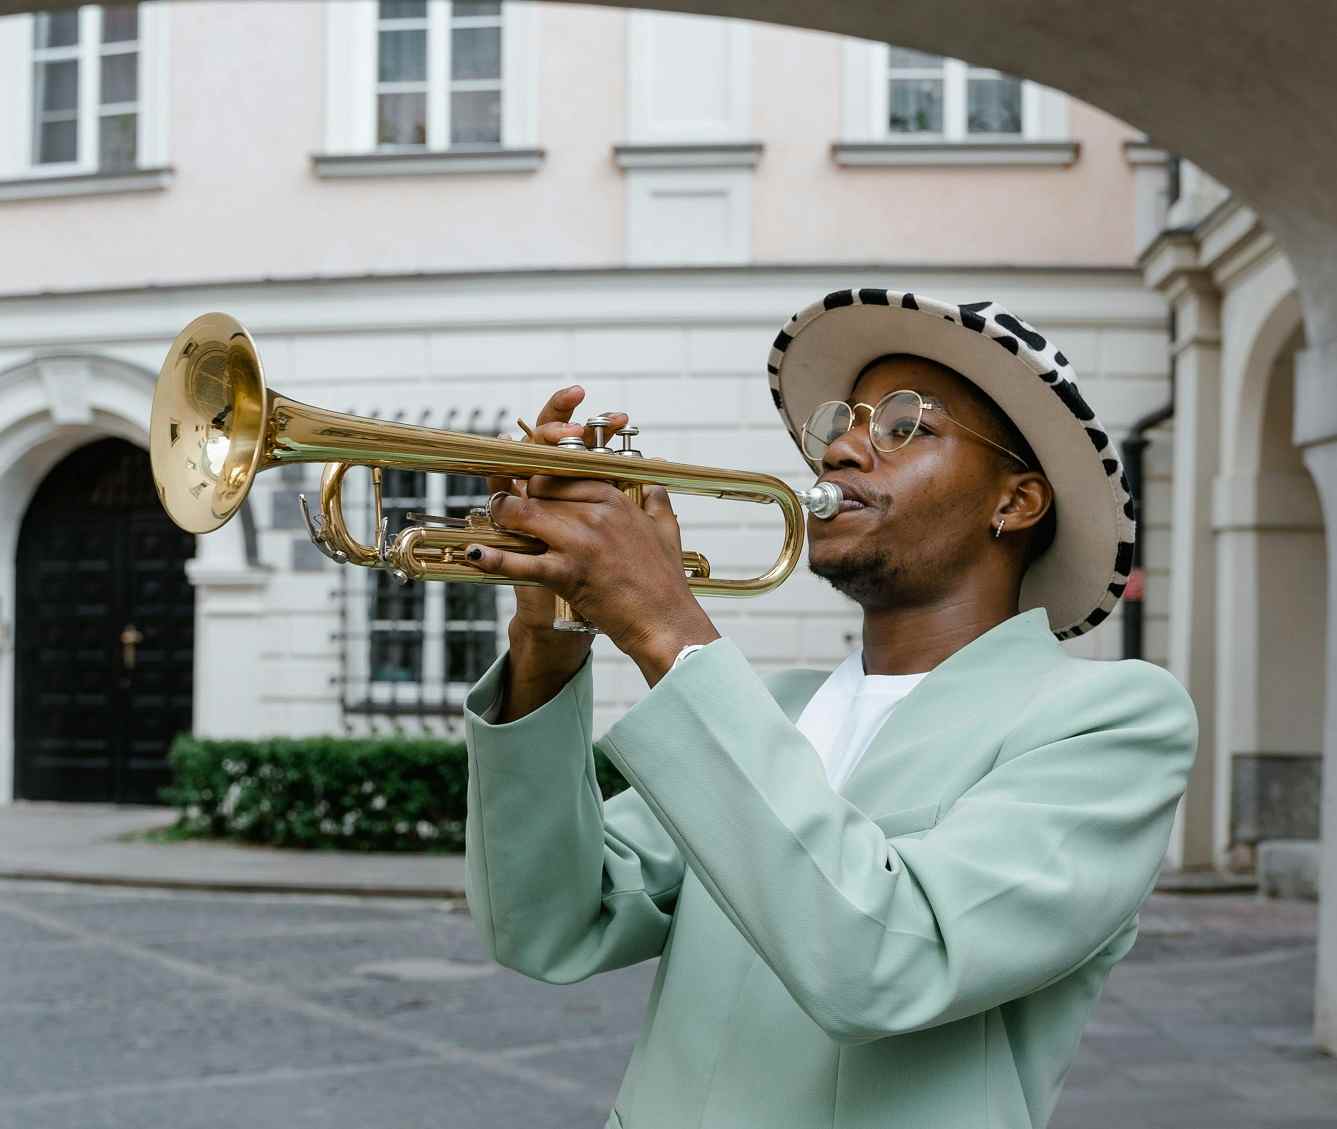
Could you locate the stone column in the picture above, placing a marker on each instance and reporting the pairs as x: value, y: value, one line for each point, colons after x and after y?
x: 1197, y: 423
x: 1316, y: 435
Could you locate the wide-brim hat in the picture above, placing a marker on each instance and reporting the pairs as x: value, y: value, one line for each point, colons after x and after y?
x: 822, y: 348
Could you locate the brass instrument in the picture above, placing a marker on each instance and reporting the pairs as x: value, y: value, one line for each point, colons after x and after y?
x: 216, y: 425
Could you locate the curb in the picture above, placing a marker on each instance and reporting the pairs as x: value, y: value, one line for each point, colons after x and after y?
x: 234, y: 886
x: 1205, y: 882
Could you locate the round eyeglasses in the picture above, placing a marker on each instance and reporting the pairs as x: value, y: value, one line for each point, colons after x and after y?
x: 892, y: 422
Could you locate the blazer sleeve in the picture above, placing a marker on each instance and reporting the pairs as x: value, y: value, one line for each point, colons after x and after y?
x: 561, y: 883
x: 1028, y: 875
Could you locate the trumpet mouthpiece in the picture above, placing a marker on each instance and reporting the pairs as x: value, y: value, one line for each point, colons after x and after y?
x: 823, y: 500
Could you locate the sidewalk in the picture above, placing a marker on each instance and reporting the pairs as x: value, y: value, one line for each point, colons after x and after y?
x: 87, y: 843
x: 96, y: 843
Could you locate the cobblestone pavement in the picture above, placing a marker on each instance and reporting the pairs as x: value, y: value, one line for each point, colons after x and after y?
x: 134, y: 1009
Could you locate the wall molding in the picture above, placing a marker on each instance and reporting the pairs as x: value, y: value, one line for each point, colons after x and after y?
x: 724, y: 155
x: 1139, y: 151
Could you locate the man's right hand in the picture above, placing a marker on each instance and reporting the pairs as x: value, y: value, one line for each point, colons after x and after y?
x: 542, y: 660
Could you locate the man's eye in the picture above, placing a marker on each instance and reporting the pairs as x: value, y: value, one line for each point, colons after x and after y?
x: 901, y: 428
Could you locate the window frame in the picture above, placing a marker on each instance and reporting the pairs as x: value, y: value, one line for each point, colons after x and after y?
x: 352, y: 82
x: 867, y: 96
x: 18, y: 119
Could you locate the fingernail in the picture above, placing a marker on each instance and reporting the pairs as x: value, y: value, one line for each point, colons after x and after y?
x: 475, y: 553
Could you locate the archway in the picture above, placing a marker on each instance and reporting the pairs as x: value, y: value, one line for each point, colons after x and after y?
x: 1271, y: 549
x: 50, y: 407
x: 104, y: 630
x: 1204, y: 78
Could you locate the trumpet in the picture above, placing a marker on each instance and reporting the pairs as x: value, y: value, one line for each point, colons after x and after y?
x: 216, y: 425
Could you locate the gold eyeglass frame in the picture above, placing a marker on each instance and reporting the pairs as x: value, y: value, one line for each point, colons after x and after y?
x: 926, y: 404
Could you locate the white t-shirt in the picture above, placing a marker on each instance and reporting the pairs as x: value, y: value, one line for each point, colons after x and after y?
x: 842, y: 718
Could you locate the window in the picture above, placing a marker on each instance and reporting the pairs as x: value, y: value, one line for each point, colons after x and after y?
x: 915, y: 92
x: 85, y: 93
x: 429, y: 86
x: 471, y: 609
x: 397, y: 610
x: 412, y: 651
x: 85, y: 87
x: 929, y: 94
x: 903, y: 106
x: 438, y: 73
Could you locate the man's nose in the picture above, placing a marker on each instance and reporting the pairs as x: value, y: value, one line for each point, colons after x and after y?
x: 853, y: 449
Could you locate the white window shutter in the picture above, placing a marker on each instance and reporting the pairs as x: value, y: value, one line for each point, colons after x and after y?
x: 350, y: 76
x: 16, y: 107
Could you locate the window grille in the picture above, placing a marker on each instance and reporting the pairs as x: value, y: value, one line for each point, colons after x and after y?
x: 411, y: 652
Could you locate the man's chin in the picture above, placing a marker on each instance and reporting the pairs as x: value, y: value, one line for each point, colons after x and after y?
x: 867, y: 579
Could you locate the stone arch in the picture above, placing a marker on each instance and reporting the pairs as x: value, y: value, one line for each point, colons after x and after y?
x: 50, y: 405
x: 1271, y: 332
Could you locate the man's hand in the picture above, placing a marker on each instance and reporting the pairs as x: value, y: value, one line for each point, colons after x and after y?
x: 620, y: 565
x: 534, y: 606
x: 542, y: 660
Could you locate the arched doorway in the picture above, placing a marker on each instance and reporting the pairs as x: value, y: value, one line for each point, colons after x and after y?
x: 104, y: 632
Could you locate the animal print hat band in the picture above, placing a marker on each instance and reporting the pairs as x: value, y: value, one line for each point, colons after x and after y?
x: 820, y: 350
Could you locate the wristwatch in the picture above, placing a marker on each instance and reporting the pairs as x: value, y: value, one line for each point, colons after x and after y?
x: 690, y: 649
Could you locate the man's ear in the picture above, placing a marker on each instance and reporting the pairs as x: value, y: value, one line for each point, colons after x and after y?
x: 1025, y: 501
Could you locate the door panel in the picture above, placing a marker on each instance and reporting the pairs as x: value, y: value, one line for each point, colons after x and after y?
x: 99, y: 561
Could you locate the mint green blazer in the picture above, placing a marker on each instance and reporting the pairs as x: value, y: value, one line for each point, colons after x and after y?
x: 919, y: 950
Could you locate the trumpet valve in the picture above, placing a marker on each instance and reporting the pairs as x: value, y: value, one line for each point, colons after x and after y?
x: 627, y: 434
x: 599, y: 425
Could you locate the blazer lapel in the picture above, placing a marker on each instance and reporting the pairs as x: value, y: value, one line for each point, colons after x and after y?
x: 934, y: 734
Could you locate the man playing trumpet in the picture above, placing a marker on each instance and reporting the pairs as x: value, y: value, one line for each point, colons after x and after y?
x: 885, y: 895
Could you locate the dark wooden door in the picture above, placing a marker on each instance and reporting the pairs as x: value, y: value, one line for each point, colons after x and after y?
x: 104, y: 632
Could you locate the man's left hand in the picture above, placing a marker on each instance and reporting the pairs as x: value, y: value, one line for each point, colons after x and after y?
x: 618, y: 564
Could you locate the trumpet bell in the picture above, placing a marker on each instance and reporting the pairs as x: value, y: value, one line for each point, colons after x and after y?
x: 207, y: 428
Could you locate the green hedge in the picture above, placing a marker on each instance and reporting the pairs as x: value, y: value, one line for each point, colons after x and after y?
x: 368, y: 794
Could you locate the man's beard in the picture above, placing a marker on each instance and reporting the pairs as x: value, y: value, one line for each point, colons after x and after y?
x: 868, y: 578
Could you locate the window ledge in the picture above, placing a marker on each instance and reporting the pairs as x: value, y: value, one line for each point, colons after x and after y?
x: 863, y: 154
x: 368, y: 708
x: 1137, y: 152
x: 86, y: 184
x: 426, y: 162
x: 727, y: 155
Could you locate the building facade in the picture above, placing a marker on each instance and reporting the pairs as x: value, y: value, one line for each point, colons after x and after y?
x: 440, y: 213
